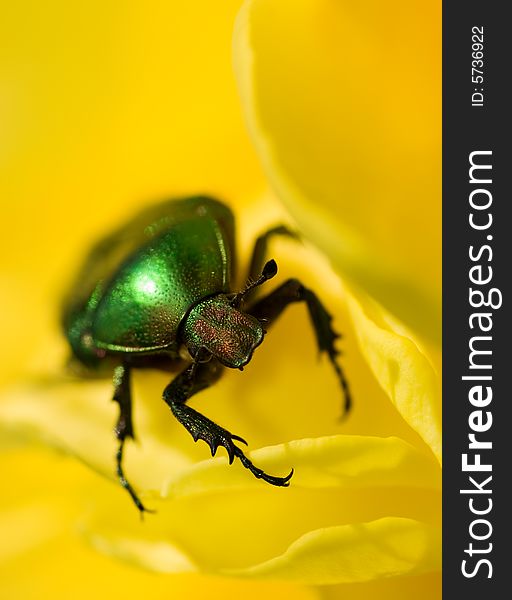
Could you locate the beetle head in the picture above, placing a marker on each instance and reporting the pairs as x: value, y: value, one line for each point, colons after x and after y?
x: 227, y: 333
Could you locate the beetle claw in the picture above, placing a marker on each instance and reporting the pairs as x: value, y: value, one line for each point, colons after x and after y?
x: 230, y: 448
x: 237, y: 437
x: 201, y: 428
x: 213, y: 446
x: 218, y: 437
x: 260, y: 474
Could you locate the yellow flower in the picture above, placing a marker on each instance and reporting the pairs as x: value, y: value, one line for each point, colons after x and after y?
x: 140, y: 105
x: 343, y: 101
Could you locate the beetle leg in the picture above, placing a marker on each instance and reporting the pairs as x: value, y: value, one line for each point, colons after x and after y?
x: 193, y: 379
x: 269, y: 308
x: 124, y: 426
x: 259, y: 252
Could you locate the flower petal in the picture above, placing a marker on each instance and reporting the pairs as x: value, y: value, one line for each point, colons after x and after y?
x: 41, y: 555
x: 338, y: 461
x: 162, y: 556
x: 358, y: 552
x: 214, y: 509
x: 76, y: 416
x: 401, y: 367
x: 343, y: 104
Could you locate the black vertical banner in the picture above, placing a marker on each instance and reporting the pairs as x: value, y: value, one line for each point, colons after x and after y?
x: 477, y: 269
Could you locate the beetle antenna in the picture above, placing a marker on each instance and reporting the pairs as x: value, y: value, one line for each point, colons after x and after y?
x: 269, y: 271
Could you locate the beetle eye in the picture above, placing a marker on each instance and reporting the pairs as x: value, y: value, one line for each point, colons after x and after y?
x: 203, y: 355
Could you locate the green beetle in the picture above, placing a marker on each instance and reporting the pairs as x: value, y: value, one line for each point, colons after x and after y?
x: 158, y: 293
